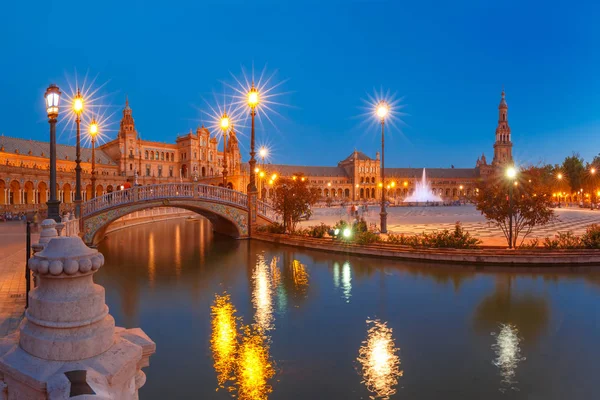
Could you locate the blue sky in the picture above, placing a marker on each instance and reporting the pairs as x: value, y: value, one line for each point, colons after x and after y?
x: 448, y: 62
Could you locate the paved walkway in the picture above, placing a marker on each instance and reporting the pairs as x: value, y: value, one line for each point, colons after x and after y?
x: 414, y: 220
x: 12, y: 275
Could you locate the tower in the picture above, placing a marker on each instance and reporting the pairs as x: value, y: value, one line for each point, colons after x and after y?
x: 128, y: 143
x: 503, y: 144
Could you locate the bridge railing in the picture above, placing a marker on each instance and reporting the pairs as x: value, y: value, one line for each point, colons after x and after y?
x: 175, y: 191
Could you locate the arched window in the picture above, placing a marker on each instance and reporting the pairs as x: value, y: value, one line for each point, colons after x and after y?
x: 362, y: 193
x: 211, y: 172
x: 347, y: 193
x: 162, y: 156
x: 152, y: 155
x: 203, y: 171
x: 156, y: 156
x: 373, y: 181
x: 146, y: 154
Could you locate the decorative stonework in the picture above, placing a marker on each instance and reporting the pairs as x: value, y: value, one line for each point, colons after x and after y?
x: 237, y: 216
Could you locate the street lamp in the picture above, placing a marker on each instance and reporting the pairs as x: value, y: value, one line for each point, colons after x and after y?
x: 559, y: 177
x: 253, y: 101
x: 78, y: 109
x: 382, y: 111
x: 593, y: 172
x: 511, y: 173
x: 225, y: 128
x: 52, y: 97
x: 93, y: 134
x: 263, y: 153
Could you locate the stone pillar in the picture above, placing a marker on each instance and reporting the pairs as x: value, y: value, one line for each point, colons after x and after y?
x: 67, y: 344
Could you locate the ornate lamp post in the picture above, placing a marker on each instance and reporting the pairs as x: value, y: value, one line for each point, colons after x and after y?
x: 593, y: 173
x: 262, y: 152
x: 511, y: 173
x: 253, y: 101
x: 78, y: 109
x: 225, y: 128
x: 559, y: 177
x: 382, y: 112
x: 93, y: 134
x: 52, y: 97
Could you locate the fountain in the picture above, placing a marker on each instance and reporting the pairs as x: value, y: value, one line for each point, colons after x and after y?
x: 423, y: 193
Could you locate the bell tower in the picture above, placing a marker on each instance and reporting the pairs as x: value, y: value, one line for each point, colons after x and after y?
x: 128, y: 143
x: 503, y: 144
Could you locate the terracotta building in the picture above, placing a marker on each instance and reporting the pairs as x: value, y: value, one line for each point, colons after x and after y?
x: 198, y: 157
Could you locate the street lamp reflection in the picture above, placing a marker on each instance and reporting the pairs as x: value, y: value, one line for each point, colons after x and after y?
x: 262, y: 294
x: 347, y: 281
x: 380, y: 362
x: 224, y: 337
x: 508, y: 353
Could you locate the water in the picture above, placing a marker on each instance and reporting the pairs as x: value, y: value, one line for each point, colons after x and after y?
x: 423, y: 192
x: 340, y: 326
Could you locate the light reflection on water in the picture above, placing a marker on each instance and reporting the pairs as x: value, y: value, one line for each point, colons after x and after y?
x: 317, y: 302
x: 508, y: 354
x: 380, y: 362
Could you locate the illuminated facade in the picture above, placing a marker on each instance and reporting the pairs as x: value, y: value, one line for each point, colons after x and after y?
x: 196, y: 156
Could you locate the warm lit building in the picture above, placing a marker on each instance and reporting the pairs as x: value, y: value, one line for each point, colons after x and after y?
x: 195, y: 157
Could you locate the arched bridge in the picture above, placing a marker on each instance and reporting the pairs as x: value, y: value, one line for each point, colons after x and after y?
x: 227, y: 209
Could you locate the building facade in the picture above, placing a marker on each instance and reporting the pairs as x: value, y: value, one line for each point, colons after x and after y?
x: 198, y: 157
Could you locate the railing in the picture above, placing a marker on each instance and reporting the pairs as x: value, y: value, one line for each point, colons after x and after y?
x: 265, y: 210
x: 70, y: 225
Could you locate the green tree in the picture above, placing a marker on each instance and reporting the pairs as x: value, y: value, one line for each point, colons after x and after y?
x: 532, y: 201
x: 574, y: 171
x: 292, y: 199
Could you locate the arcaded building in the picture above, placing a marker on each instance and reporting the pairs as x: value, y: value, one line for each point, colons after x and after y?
x: 198, y: 157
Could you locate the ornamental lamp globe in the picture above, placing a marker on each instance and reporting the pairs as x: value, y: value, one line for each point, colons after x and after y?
x: 52, y: 97
x: 225, y: 122
x: 382, y: 109
x: 253, y: 97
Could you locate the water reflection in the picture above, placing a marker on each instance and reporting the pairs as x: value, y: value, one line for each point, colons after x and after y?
x: 300, y: 276
x: 262, y: 292
x: 151, y: 259
x: 242, y: 362
x: 346, y: 281
x: 224, y: 338
x: 508, y: 354
x: 178, y: 250
x: 380, y: 362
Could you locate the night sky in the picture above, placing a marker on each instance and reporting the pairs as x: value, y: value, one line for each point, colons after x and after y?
x: 447, y: 61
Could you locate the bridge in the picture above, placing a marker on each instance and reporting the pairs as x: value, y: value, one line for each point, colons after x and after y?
x: 226, y: 209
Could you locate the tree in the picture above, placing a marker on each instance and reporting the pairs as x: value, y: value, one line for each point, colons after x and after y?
x: 574, y: 171
x: 292, y: 199
x: 532, y: 201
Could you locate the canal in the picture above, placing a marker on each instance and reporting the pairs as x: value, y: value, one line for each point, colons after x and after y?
x: 257, y: 321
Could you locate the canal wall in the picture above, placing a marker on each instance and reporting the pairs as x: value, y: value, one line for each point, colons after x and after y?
x: 502, y: 257
x: 148, y: 216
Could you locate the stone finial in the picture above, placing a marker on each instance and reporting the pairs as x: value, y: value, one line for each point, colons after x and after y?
x: 67, y: 318
x: 48, y: 231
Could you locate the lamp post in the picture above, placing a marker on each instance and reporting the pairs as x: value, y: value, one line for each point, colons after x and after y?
x: 253, y: 101
x: 52, y: 97
x: 382, y: 111
x: 511, y: 173
x: 93, y: 133
x: 559, y: 177
x: 78, y: 109
x: 224, y: 127
x: 593, y: 172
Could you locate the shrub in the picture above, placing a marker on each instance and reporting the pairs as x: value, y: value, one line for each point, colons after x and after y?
x: 533, y: 244
x: 360, y: 226
x: 591, y: 237
x: 317, y: 231
x: 456, y: 239
x: 366, y: 237
x: 341, y: 224
x: 563, y: 240
x: 275, y: 227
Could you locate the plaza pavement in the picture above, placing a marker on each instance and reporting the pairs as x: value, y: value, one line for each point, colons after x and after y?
x: 12, y: 274
x: 414, y: 220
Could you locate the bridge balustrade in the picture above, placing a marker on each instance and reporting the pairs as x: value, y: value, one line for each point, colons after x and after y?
x: 174, y: 191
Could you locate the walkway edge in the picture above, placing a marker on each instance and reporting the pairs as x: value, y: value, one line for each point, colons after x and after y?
x: 542, y: 257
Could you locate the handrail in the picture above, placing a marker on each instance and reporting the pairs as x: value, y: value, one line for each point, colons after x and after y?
x: 174, y: 191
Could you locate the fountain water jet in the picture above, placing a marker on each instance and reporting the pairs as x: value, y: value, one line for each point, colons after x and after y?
x: 423, y: 192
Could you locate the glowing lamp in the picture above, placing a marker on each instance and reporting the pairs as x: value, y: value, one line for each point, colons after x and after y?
x: 256, y: 170
x: 262, y: 174
x: 593, y: 171
x: 263, y: 152
x: 380, y: 184
x: 122, y: 187
x: 382, y: 109
x: 253, y: 98
x: 303, y: 178
x: 511, y: 172
x: 405, y: 184
x: 336, y: 231
x: 393, y: 184
x: 328, y: 183
x: 273, y: 177
x: 559, y: 176
x: 52, y: 97
x: 78, y: 103
x: 271, y: 182
x: 357, y: 185
x: 225, y: 122
x: 93, y: 128
x: 347, y: 232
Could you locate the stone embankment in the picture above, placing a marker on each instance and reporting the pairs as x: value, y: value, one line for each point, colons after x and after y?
x: 504, y: 257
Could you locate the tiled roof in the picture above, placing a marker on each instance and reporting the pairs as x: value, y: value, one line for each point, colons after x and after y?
x: 433, y: 172
x: 42, y: 149
x: 359, y: 156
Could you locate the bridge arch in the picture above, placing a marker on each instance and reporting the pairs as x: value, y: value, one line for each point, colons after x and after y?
x: 225, y: 208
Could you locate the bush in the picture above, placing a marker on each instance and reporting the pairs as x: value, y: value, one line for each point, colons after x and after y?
x: 275, y: 227
x: 591, y: 237
x: 360, y: 226
x: 563, y: 240
x: 456, y: 239
x: 366, y: 237
x: 341, y: 224
x: 533, y: 244
x: 317, y: 231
